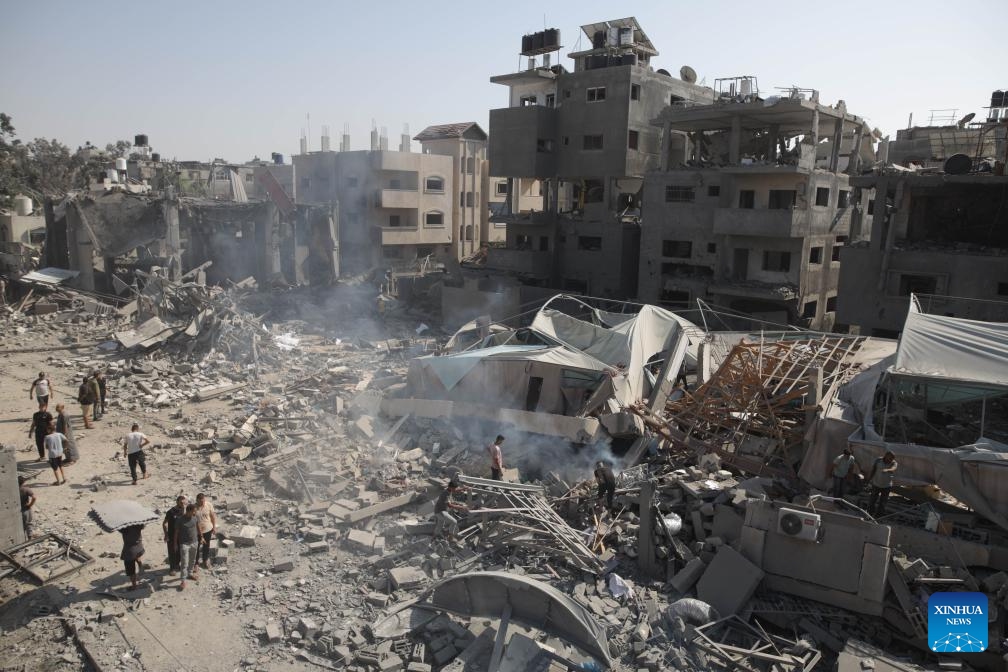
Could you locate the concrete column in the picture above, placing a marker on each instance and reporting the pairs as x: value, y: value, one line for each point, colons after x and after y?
x: 815, y: 134
x: 81, y: 249
x: 772, y: 142
x: 169, y: 208
x: 837, y: 140
x: 854, y: 162
x: 735, y: 141
x: 703, y: 371
x: 666, y: 145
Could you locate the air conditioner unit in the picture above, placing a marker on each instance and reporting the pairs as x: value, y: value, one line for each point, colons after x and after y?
x: 799, y: 524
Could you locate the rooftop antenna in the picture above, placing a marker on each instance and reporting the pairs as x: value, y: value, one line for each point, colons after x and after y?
x: 308, y: 122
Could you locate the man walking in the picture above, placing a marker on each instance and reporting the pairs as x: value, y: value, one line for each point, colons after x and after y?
x: 132, y: 551
x: 96, y: 394
x: 169, y: 524
x: 102, y: 390
x: 206, y: 519
x: 41, y: 388
x: 54, y: 442
x: 86, y: 399
x: 606, y: 484
x: 496, y: 459
x: 187, y: 542
x: 843, y: 466
x: 133, y: 446
x: 64, y: 427
x: 39, y: 424
x: 27, y: 502
x: 883, y: 474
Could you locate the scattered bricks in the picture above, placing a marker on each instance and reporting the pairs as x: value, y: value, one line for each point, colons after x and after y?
x: 390, y: 663
x: 418, y: 653
x: 318, y: 547
x: 341, y: 652
x: 405, y: 578
x: 287, y: 566
x: 377, y: 599
x: 360, y: 540
x: 379, y: 545
x: 220, y: 556
x: 307, y: 627
x: 274, y: 633
x: 246, y: 535
x: 227, y: 543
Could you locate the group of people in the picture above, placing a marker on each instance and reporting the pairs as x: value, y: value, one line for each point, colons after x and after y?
x: 844, y: 469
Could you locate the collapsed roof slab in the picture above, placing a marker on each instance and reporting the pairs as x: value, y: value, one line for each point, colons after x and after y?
x: 793, y: 117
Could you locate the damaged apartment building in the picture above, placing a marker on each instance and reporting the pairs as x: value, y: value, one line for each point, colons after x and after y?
x: 399, y: 206
x: 584, y: 140
x: 942, y: 233
x: 752, y: 203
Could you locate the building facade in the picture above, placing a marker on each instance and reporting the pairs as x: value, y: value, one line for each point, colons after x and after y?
x: 580, y: 144
x: 753, y: 204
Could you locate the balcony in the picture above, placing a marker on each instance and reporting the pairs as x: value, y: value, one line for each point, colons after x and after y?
x: 413, y: 235
x: 752, y: 222
x: 397, y: 198
x: 518, y: 137
x: 523, y: 262
x: 400, y: 161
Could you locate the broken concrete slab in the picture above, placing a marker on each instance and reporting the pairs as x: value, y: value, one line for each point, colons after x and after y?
x: 729, y: 581
x: 687, y: 577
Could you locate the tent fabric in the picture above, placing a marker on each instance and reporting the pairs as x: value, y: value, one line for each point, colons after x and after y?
x: 936, y: 346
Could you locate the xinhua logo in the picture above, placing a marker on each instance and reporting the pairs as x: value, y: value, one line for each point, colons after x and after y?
x: 957, y: 622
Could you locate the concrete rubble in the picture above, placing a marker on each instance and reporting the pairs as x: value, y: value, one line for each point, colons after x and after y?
x: 325, y: 553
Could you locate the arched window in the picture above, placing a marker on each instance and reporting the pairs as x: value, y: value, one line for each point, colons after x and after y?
x: 434, y: 218
x: 434, y: 184
x: 469, y: 232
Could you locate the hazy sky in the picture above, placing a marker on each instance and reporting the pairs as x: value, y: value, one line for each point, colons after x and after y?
x: 233, y: 80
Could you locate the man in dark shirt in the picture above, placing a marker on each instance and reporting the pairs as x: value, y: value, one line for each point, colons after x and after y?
x: 187, y: 540
x: 132, y: 551
x: 445, y: 522
x: 168, y: 525
x: 39, y: 424
x: 102, y: 390
x: 27, y: 502
x: 606, y: 484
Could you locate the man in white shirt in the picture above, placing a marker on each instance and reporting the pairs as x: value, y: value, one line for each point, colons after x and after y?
x: 41, y: 388
x: 133, y: 446
x: 843, y: 466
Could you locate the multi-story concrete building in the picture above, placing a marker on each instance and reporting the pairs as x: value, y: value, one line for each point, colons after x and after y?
x: 586, y: 137
x: 941, y: 230
x: 753, y: 204
x: 391, y: 206
x: 472, y: 189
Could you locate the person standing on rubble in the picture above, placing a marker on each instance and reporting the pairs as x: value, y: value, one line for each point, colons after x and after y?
x: 86, y: 399
x: 41, y: 388
x: 496, y: 459
x: 27, y: 502
x: 187, y: 541
x: 445, y: 523
x: 39, y: 424
x: 606, y: 484
x: 96, y: 413
x: 169, y: 525
x: 132, y: 551
x: 54, y: 442
x: 206, y: 519
x: 883, y: 474
x: 133, y: 446
x: 102, y: 390
x: 844, y: 466
x: 64, y: 427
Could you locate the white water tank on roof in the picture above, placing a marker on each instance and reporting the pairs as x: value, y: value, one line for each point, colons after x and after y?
x: 120, y: 164
x: 22, y: 205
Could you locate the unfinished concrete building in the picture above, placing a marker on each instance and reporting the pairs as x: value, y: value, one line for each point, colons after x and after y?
x: 942, y: 233
x: 753, y: 203
x: 587, y: 136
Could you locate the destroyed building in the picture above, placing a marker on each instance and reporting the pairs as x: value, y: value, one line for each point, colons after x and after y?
x: 941, y: 228
x: 752, y: 203
x: 586, y: 136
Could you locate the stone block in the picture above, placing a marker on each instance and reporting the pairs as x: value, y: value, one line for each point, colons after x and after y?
x: 247, y: 535
x: 729, y: 582
x: 273, y: 633
x: 687, y: 577
x: 405, y: 578
x: 287, y: 566
x: 360, y: 540
x: 318, y: 547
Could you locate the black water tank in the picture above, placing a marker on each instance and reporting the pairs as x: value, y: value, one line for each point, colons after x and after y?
x: 538, y: 40
x: 140, y: 140
x: 629, y: 59
x: 599, y: 39
x: 998, y: 99
x: 552, y: 37
x: 155, y: 157
x: 526, y: 43
x: 958, y: 164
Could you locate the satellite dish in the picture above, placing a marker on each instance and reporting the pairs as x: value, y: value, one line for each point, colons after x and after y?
x: 663, y: 71
x: 687, y: 74
x: 958, y: 164
x: 965, y: 120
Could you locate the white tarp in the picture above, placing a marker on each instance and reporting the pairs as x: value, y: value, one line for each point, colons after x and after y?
x: 936, y: 346
x: 450, y: 369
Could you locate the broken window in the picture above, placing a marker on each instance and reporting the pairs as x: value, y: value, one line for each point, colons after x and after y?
x: 394, y: 220
x: 815, y: 255
x: 544, y: 145
x: 590, y: 243
x: 711, y: 248
x: 809, y: 310
x: 592, y: 142
x: 822, y: 196
x: 249, y: 177
x: 917, y: 284
x: 679, y: 194
x: 532, y: 394
x: 502, y: 188
x: 714, y: 190
x: 523, y: 242
x: 595, y: 94
x: 747, y: 199
x: 835, y: 256
x: 633, y: 138
x: 635, y: 92
x: 781, y: 199
x: 777, y: 261
x: 682, y: 249
x: 550, y: 100
x: 871, y: 206
x: 434, y: 219
x: 435, y: 184
x: 831, y: 304
x: 674, y: 99
x: 843, y: 198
